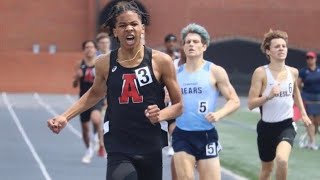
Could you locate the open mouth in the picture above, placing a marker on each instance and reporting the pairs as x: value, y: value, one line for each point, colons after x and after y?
x: 130, y: 39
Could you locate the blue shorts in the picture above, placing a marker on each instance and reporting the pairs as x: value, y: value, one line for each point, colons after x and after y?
x: 200, y: 144
x: 312, y: 103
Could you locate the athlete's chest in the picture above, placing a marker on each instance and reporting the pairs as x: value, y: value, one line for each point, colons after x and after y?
x: 89, y: 73
x: 142, y: 75
x: 285, y: 86
x: 195, y: 84
x: 132, y: 84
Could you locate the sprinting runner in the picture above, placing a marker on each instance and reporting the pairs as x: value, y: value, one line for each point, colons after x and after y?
x: 133, y: 77
x: 272, y: 89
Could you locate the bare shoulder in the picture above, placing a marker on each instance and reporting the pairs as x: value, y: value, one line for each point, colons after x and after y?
x: 160, y: 57
x: 163, y: 66
x: 162, y: 62
x: 259, y: 72
x: 102, y: 64
x: 103, y: 60
x: 216, y: 69
x: 218, y: 72
x: 294, y: 71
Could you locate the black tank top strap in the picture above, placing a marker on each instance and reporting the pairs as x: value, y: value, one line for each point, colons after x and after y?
x: 148, y: 54
x: 113, y: 58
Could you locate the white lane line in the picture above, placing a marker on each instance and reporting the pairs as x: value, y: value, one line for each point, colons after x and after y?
x: 54, y: 113
x: 164, y: 127
x: 25, y: 136
x: 232, y: 174
x: 69, y: 98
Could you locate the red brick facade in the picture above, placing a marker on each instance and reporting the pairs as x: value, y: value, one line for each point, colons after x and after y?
x: 26, y: 72
x: 64, y: 23
x: 67, y: 23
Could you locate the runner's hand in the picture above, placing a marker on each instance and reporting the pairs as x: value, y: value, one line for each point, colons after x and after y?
x: 306, y: 120
x: 152, y: 113
x: 56, y: 124
x: 274, y: 91
x: 213, y: 116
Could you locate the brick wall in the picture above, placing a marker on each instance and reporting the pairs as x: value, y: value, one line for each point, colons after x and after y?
x: 26, y: 72
x: 64, y: 23
x: 247, y: 18
x: 68, y: 23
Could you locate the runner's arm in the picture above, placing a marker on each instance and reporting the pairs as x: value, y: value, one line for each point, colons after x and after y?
x: 168, y: 76
x: 227, y: 90
x: 95, y: 93
x: 254, y: 98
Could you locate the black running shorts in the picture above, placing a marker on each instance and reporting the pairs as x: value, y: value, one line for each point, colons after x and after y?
x: 134, y: 167
x: 271, y: 134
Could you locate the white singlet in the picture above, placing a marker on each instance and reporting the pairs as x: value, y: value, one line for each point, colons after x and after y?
x: 280, y: 107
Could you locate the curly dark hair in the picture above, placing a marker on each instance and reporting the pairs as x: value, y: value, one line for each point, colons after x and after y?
x: 120, y: 7
x: 272, y: 34
x: 84, y: 43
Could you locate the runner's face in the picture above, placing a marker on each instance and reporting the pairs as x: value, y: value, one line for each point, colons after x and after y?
x: 89, y: 50
x: 278, y: 49
x: 128, y: 29
x: 104, y: 44
x: 193, y: 45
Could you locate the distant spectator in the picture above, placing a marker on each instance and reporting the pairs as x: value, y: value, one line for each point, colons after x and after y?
x: 103, y: 42
x: 309, y: 80
x: 172, y: 46
x: 182, y: 60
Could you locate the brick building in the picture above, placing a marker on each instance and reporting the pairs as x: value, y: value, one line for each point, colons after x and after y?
x: 67, y: 23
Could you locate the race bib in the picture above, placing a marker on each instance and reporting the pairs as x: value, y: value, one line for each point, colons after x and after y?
x: 211, y: 149
x: 203, y: 107
x: 144, y: 76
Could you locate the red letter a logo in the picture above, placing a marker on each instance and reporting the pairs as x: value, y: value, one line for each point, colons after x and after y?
x: 129, y: 89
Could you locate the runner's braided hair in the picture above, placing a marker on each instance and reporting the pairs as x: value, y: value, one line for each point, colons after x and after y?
x: 120, y: 7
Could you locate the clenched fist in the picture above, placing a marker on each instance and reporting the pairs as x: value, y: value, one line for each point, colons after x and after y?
x: 275, y: 91
x: 213, y: 116
x: 152, y: 113
x: 56, y: 124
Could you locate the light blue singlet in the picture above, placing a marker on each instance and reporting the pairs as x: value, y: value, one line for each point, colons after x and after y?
x: 199, y: 98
